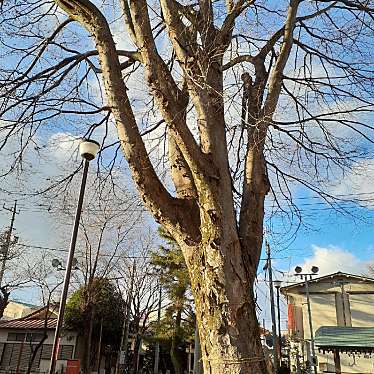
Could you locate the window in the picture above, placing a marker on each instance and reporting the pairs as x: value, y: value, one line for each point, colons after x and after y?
x: 34, y: 337
x: 16, y: 337
x: 20, y: 337
x: 64, y: 353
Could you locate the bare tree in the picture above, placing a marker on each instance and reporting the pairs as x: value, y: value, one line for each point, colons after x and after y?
x: 137, y: 280
x: 251, y: 96
x: 107, y: 231
x: 14, y: 277
x: 43, y: 279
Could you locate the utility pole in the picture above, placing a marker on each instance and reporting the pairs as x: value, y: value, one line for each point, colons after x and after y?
x: 8, y: 240
x: 157, y: 349
x: 273, y: 321
x: 277, y: 285
x: 310, y: 324
x: 304, y: 276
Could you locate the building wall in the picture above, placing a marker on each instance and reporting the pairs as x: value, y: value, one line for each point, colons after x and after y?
x: 323, y: 312
x: 16, y: 310
x: 12, y: 352
x: 362, y: 309
x: 337, y: 302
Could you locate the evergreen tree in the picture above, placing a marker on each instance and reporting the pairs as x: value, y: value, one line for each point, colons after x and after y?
x: 96, y: 307
x: 174, y: 330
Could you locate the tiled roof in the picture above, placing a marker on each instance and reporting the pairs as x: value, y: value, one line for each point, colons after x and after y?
x: 342, y: 337
x: 28, y: 324
x: 33, y: 321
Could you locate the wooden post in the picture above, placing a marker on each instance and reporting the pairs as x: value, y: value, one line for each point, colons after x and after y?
x: 338, y: 368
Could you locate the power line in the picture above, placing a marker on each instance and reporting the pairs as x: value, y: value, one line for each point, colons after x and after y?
x: 66, y: 250
x: 341, y: 197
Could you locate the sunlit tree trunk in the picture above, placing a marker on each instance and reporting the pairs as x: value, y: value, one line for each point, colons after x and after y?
x: 221, y: 247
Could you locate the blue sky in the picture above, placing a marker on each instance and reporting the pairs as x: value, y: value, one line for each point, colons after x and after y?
x: 346, y: 243
x: 332, y: 241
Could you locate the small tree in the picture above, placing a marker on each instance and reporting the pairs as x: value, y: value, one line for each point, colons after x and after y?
x: 46, y: 281
x: 175, y: 281
x: 97, y: 307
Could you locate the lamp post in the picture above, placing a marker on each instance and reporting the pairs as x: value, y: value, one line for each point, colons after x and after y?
x: 304, y: 276
x: 277, y: 285
x: 88, y: 150
x: 57, y: 264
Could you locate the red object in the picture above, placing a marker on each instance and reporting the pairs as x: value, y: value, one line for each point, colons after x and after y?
x: 73, y: 367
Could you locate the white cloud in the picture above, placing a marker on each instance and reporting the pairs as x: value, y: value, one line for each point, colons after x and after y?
x: 332, y: 259
x: 63, y: 145
x: 121, y: 36
x: 359, y: 180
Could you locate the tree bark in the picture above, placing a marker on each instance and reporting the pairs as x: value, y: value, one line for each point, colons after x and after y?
x: 224, y: 300
x: 4, y: 300
x: 221, y: 252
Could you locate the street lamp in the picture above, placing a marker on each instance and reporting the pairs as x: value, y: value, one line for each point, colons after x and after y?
x: 314, y: 271
x: 88, y: 150
x: 57, y: 264
x: 277, y: 285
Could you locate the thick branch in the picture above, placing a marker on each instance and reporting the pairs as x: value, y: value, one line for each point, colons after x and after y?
x: 155, y: 196
x: 256, y: 183
x: 238, y: 60
x: 278, y: 34
x: 275, y: 82
x: 171, y: 100
x: 224, y: 35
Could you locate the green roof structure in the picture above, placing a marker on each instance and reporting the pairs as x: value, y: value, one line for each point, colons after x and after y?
x: 345, y: 339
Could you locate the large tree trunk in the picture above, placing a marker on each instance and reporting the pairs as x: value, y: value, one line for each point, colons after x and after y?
x: 221, y: 251
x: 226, y: 315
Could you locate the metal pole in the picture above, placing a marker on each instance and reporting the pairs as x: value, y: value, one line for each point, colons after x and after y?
x: 8, y: 240
x: 279, y: 329
x: 310, y: 325
x: 157, y: 349
x: 69, y: 263
x: 273, y: 322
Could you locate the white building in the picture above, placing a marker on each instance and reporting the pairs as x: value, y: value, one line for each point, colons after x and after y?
x: 342, y: 309
x: 21, y: 337
x: 18, y: 309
